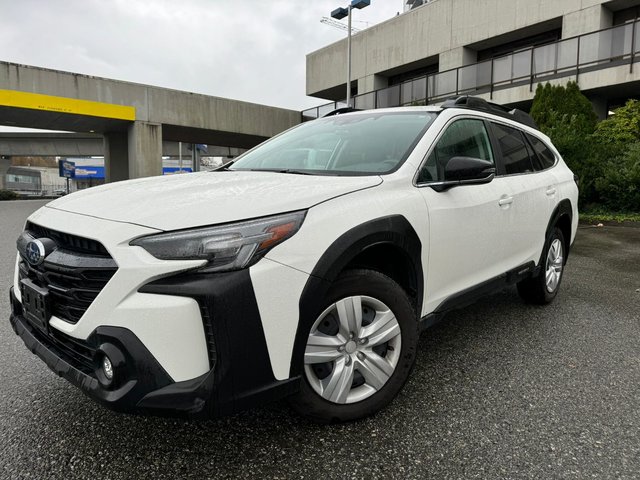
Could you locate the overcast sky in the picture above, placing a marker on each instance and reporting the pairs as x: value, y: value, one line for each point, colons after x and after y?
x: 248, y: 50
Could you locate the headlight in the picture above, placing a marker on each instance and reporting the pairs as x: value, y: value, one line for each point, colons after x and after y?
x: 226, y: 247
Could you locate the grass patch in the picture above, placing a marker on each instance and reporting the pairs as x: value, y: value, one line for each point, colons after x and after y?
x: 598, y: 216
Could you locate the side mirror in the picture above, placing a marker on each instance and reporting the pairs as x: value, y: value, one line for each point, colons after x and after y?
x: 465, y: 171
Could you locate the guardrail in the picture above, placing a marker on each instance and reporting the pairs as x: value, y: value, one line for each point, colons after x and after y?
x: 605, y: 48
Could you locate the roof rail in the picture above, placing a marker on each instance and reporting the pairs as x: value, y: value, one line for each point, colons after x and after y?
x: 477, y: 103
x: 340, y: 111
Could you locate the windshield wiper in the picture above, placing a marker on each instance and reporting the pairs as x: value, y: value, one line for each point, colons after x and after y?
x: 292, y: 171
x: 224, y: 167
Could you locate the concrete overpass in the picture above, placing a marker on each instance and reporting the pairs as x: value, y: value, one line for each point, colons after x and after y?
x: 84, y: 145
x: 133, y: 119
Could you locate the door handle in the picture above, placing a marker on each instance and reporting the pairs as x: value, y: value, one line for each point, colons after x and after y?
x: 551, y: 191
x: 505, y: 201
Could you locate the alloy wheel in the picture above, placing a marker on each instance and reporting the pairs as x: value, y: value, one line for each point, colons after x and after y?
x: 555, y: 263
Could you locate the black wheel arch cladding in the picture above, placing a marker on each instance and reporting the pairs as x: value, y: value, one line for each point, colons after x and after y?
x: 394, y: 230
x: 563, y: 209
x: 243, y: 376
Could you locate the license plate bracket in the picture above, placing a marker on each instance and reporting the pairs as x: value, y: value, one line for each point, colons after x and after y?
x: 35, y: 303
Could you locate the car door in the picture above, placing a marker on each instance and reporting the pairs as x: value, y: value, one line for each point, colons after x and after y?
x: 543, y: 162
x: 531, y: 193
x: 467, y: 222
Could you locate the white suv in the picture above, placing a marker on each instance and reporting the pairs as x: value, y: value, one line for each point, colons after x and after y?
x: 307, y: 268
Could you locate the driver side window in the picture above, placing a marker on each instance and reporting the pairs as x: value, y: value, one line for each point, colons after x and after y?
x: 463, y: 138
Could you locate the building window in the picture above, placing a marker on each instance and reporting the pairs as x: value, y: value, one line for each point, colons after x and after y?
x: 520, y: 44
x: 22, y: 179
x: 626, y: 15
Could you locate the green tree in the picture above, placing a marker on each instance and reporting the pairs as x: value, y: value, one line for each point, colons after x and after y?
x: 554, y: 103
x: 568, y: 118
x: 605, y: 155
x: 622, y: 128
x: 580, y: 152
x: 619, y: 186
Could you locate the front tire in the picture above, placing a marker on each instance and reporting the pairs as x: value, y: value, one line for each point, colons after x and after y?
x: 360, y: 349
x: 543, y: 288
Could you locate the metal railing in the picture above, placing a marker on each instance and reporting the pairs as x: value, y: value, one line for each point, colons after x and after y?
x: 606, y: 48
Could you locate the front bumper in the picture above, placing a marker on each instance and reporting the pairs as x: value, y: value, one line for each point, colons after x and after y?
x: 142, y: 384
x: 190, y: 343
x: 241, y: 376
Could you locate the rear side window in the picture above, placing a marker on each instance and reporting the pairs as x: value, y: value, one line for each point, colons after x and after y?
x: 546, y: 158
x: 515, y: 154
x: 463, y: 138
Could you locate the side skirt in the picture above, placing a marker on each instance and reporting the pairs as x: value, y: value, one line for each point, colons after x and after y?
x: 471, y: 295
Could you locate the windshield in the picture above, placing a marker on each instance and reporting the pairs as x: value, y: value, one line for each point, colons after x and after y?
x: 362, y: 144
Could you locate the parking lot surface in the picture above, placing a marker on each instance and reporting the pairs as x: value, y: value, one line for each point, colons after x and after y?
x: 500, y: 390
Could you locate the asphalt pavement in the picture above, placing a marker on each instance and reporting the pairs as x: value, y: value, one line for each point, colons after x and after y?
x: 500, y: 390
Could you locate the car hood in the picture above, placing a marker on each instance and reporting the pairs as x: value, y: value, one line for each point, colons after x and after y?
x: 206, y: 198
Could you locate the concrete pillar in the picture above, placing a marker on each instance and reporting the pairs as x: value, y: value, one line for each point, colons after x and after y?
x: 457, y: 57
x: 145, y: 149
x: 372, y: 82
x: 586, y: 20
x: 116, y: 156
x: 5, y: 163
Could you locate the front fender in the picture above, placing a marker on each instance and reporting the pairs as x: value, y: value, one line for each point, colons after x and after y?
x: 393, y: 230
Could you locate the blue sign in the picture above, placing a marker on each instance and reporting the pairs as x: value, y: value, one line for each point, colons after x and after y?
x: 200, y: 147
x: 67, y: 169
x: 90, y: 172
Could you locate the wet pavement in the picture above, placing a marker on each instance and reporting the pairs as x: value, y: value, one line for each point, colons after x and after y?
x: 500, y: 390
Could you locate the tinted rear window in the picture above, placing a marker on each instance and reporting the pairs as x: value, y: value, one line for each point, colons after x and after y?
x: 515, y: 154
x: 546, y: 158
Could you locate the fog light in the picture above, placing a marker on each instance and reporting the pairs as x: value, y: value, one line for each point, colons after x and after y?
x: 107, y: 368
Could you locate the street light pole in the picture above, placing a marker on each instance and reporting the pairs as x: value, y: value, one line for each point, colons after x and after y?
x: 339, y: 14
x: 349, y: 59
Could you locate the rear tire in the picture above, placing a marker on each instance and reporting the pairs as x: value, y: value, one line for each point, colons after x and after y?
x: 543, y: 288
x: 360, y: 349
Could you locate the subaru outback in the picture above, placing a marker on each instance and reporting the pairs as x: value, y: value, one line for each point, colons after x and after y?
x: 306, y: 268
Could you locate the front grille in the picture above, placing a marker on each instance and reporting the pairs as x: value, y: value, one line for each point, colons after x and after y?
x: 77, y: 353
x: 67, y: 241
x: 73, y: 277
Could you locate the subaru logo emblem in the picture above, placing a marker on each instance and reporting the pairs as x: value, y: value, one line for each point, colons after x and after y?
x: 35, y: 252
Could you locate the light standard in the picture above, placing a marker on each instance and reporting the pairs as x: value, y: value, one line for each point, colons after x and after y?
x: 339, y: 14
